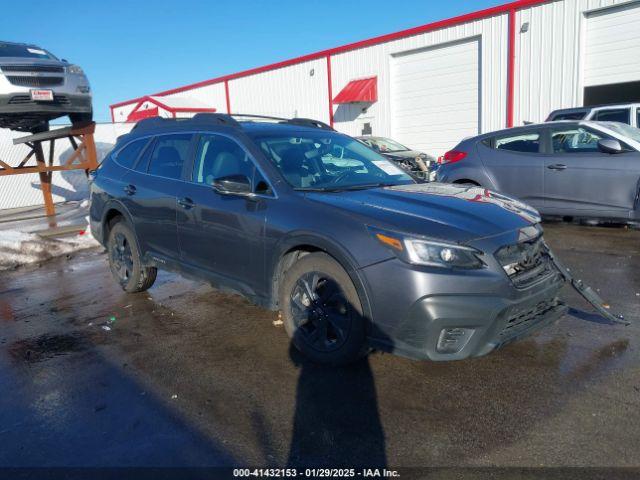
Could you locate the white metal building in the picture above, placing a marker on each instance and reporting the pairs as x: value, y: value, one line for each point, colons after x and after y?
x: 430, y: 86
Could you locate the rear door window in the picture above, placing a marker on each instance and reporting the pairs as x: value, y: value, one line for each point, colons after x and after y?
x: 614, y: 115
x: 219, y: 156
x: 169, y: 155
x: 638, y: 118
x: 574, y: 140
x: 523, y: 143
x: 128, y: 155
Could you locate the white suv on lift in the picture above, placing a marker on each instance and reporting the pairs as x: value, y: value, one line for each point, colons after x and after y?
x: 36, y: 87
x: 628, y: 113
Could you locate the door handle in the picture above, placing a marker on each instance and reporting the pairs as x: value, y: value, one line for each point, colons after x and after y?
x: 557, y: 166
x: 130, y: 190
x: 186, y: 203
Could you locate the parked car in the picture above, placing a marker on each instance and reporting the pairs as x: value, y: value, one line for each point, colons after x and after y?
x: 355, y: 253
x: 628, y: 113
x: 36, y: 87
x: 581, y: 169
x: 418, y: 164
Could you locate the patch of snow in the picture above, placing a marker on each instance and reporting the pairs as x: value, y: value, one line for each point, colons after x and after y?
x: 21, y: 248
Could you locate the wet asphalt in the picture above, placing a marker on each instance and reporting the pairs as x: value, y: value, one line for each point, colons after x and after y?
x: 184, y: 375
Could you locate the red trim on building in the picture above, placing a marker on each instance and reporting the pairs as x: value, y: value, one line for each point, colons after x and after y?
x: 362, y: 90
x: 511, y: 68
x: 137, y: 114
x: 329, y: 90
x: 192, y: 110
x: 226, y: 94
x: 468, y: 17
x: 140, y: 114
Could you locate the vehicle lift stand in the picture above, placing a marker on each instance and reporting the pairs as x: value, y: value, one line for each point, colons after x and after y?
x: 84, y: 156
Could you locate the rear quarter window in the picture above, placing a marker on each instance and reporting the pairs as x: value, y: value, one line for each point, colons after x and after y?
x: 127, y: 156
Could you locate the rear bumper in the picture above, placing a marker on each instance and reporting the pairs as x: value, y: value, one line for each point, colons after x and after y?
x: 491, y: 309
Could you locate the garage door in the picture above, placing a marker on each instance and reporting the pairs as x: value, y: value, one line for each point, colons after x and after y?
x: 612, y: 46
x: 435, y: 96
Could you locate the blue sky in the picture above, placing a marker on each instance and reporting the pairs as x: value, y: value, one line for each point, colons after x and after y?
x: 132, y: 48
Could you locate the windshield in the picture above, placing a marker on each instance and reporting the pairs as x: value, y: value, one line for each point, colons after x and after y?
x: 328, y: 161
x: 623, y: 129
x: 384, y: 144
x: 23, y: 51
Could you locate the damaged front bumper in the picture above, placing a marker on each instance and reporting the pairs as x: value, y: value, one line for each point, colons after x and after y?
x: 467, y: 314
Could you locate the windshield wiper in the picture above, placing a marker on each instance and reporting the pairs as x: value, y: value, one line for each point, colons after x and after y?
x: 318, y: 189
x: 364, y: 186
x: 367, y: 186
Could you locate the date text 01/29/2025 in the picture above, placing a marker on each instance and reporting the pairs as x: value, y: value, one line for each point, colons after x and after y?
x: 315, y: 473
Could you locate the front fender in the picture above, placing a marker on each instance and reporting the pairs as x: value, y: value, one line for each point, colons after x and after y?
x: 327, y: 245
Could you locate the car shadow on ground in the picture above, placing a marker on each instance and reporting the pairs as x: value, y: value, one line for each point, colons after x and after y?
x: 336, y: 421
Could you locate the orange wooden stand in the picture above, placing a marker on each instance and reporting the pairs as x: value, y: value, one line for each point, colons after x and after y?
x: 84, y: 156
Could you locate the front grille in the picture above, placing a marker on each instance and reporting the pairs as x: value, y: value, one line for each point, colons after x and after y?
x: 32, y: 68
x: 527, y: 262
x: 520, y: 320
x: 29, y: 81
x: 26, y: 100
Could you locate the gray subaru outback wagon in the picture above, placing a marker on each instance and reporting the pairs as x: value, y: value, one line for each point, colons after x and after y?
x: 353, y: 251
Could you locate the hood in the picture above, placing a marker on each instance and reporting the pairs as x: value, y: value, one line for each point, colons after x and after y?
x: 449, y: 212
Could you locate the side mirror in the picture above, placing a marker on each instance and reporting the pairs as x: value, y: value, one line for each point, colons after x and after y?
x: 233, y: 185
x: 609, y: 145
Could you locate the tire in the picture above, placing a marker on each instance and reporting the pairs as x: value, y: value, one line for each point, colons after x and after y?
x: 330, y: 329
x: 86, y: 117
x: 124, y: 260
x: 40, y: 127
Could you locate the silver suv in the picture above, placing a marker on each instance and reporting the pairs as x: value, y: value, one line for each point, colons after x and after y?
x: 36, y: 86
x: 628, y: 113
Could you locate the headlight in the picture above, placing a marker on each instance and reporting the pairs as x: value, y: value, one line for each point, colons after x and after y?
x: 75, y: 69
x: 418, y: 251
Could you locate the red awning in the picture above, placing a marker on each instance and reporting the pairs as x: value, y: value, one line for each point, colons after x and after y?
x: 140, y: 114
x: 363, y: 90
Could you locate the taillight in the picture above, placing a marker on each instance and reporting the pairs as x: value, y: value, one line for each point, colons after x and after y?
x: 453, y: 156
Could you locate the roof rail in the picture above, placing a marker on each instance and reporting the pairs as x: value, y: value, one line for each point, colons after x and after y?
x: 309, y: 122
x: 260, y: 117
x: 228, y: 120
x: 304, y: 122
x: 219, y: 118
x: 146, y: 123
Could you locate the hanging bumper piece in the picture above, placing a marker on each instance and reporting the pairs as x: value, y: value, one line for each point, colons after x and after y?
x: 587, y: 293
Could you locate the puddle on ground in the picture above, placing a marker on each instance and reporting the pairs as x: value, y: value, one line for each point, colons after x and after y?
x: 45, y: 347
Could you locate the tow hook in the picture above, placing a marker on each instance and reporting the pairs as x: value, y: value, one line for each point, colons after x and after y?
x: 587, y: 292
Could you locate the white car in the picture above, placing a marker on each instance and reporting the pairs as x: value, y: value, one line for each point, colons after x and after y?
x: 35, y: 87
